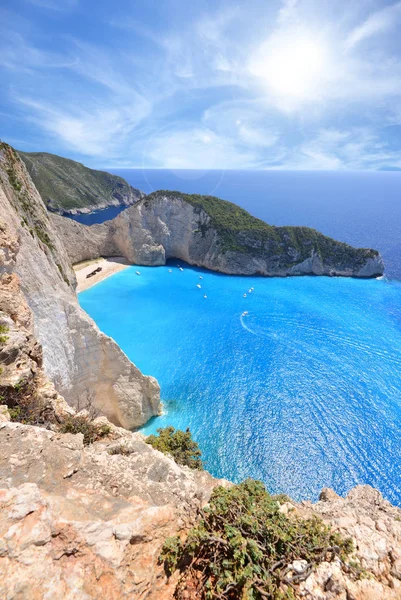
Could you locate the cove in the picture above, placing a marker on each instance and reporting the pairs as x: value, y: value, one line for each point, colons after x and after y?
x: 302, y: 392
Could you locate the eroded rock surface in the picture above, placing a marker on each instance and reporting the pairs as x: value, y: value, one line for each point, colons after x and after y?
x: 163, y: 226
x: 77, y: 522
x: 76, y: 355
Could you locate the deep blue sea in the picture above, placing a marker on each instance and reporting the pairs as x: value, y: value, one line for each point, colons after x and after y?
x: 302, y: 392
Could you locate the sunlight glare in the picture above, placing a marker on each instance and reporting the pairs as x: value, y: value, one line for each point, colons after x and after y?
x: 291, y: 65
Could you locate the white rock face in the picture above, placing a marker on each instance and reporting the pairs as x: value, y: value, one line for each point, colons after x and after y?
x: 162, y: 227
x: 76, y: 355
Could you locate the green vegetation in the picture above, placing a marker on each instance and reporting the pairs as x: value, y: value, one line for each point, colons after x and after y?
x: 122, y: 449
x: 24, y: 404
x: 240, y: 231
x: 178, y: 444
x: 14, y: 180
x: 244, y: 547
x: 63, y: 275
x: 43, y: 236
x: 3, y: 332
x: 66, y: 185
x: 91, y: 431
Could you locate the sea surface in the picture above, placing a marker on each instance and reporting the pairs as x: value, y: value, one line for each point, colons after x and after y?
x: 361, y: 208
x: 302, y: 392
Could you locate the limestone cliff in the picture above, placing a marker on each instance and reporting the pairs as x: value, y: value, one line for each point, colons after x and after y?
x: 76, y: 355
x: 217, y: 235
x: 68, y: 187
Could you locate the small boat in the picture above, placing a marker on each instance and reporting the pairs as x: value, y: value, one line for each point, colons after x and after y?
x: 181, y: 269
x: 198, y: 285
x: 250, y: 291
x: 200, y: 277
x: 244, y: 313
x: 244, y: 295
x: 138, y: 272
x: 170, y: 270
x: 205, y: 296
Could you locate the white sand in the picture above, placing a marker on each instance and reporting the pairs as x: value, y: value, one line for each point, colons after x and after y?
x: 109, y: 267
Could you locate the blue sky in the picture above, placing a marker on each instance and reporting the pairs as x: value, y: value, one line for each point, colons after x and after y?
x: 272, y: 84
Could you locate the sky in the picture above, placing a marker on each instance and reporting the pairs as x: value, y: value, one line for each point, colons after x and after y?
x: 208, y: 84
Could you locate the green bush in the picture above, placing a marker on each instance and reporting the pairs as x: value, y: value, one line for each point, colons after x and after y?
x: 121, y: 449
x: 91, y: 431
x: 243, y: 547
x: 3, y: 336
x: 13, y: 179
x: 179, y: 444
x: 24, y: 404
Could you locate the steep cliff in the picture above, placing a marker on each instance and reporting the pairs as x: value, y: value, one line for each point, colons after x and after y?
x: 67, y: 186
x: 76, y: 355
x: 215, y: 234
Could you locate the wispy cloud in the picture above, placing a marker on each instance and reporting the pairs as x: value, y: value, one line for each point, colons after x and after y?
x: 258, y: 87
x: 331, y: 149
x: 288, y: 11
x: 378, y: 22
x: 95, y: 131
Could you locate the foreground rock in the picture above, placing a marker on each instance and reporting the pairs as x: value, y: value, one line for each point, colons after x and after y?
x: 87, y: 522
x: 217, y: 235
x: 37, y: 293
x: 77, y: 522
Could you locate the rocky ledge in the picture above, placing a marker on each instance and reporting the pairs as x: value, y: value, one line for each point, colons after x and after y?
x: 89, y: 522
x: 215, y: 234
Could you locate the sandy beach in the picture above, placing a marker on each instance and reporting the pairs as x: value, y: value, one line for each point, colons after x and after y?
x: 109, y: 266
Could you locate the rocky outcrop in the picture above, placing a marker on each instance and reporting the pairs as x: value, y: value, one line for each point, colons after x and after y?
x: 88, y: 522
x: 217, y: 235
x: 76, y: 355
x: 375, y: 528
x: 68, y: 187
x: 85, y: 522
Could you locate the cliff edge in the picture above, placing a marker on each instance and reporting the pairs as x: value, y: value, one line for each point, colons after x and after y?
x: 215, y: 234
x: 76, y: 356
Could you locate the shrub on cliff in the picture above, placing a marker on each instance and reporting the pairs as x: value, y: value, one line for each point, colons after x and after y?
x: 179, y: 444
x: 244, y: 547
x: 25, y: 405
x: 3, y: 332
x: 91, y: 431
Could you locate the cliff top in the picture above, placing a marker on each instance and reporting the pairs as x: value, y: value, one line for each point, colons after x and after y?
x: 240, y: 231
x: 66, y: 185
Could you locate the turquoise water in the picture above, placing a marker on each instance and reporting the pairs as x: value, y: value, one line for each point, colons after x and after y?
x: 303, y: 392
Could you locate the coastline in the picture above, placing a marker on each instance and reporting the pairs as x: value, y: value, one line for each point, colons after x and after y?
x: 109, y: 266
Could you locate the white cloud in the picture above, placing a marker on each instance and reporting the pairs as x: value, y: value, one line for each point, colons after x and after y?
x: 107, y: 100
x: 288, y: 11
x: 331, y: 149
x: 379, y: 22
x: 195, y: 147
x: 96, y: 131
x: 18, y: 55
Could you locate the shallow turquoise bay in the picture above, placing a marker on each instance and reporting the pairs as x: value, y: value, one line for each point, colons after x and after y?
x: 303, y: 392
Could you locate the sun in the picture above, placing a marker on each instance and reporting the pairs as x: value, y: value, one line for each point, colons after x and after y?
x: 291, y: 65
